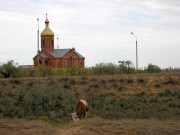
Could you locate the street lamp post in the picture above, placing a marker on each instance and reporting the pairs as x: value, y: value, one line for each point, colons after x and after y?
x: 136, y: 52
x: 38, y: 45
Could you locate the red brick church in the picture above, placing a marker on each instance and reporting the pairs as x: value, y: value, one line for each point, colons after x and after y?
x: 56, y: 58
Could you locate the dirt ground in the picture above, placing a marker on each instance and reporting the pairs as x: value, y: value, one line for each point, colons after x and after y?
x: 92, y: 126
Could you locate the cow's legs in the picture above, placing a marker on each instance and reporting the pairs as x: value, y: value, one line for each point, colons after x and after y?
x: 79, y: 115
x: 84, y: 114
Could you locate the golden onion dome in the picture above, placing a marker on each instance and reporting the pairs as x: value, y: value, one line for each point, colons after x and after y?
x: 47, y: 32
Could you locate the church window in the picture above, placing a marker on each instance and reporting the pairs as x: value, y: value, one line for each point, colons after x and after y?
x: 70, y: 62
x: 52, y: 42
x: 46, y: 63
x: 65, y: 64
x: 40, y: 62
x: 43, y: 42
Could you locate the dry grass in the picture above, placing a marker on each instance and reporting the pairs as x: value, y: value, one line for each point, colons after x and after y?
x: 24, y: 127
x: 93, y: 126
x: 117, y: 84
x: 98, y: 126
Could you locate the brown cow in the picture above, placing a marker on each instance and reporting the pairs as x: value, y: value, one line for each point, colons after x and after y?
x: 81, y: 109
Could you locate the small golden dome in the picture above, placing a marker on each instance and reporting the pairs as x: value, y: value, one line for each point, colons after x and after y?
x: 47, y: 32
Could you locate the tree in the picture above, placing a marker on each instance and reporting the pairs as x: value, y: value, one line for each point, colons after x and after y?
x: 126, y: 66
x: 9, y: 69
x: 104, y: 69
x: 153, y: 68
x: 129, y: 65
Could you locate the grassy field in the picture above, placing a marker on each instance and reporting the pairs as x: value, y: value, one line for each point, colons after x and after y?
x: 137, y: 104
x: 92, y: 126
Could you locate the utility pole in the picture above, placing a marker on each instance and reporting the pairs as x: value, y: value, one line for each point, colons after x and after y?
x: 57, y: 43
x: 136, y: 52
x: 38, y: 45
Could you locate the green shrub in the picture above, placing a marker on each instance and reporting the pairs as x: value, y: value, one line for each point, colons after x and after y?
x: 141, y: 94
x: 170, y: 80
x: 157, y: 85
x: 56, y: 104
x: 168, y: 93
x: 36, y: 103
x: 153, y: 68
x: 9, y: 69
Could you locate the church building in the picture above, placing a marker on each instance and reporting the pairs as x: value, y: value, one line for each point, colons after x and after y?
x: 56, y: 58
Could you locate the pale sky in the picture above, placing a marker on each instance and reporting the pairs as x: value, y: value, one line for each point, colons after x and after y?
x: 100, y: 30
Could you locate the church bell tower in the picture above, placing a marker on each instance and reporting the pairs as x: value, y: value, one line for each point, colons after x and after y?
x: 47, y: 37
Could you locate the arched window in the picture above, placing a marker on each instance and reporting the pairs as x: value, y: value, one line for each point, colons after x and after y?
x: 70, y: 62
x: 43, y: 42
x: 65, y: 64
x: 52, y: 42
x: 46, y: 62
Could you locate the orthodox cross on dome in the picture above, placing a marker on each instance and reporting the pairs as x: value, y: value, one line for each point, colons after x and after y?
x: 47, y: 21
x: 47, y: 31
x: 46, y: 16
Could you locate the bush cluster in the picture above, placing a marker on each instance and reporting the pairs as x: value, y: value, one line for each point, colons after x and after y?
x: 140, y: 105
x: 56, y: 104
x: 11, y: 69
x: 34, y: 103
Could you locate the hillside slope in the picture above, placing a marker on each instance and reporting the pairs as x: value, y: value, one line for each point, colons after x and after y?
x: 118, y: 84
x: 123, y: 104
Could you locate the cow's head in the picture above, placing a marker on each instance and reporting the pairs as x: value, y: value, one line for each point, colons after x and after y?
x: 74, y: 116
